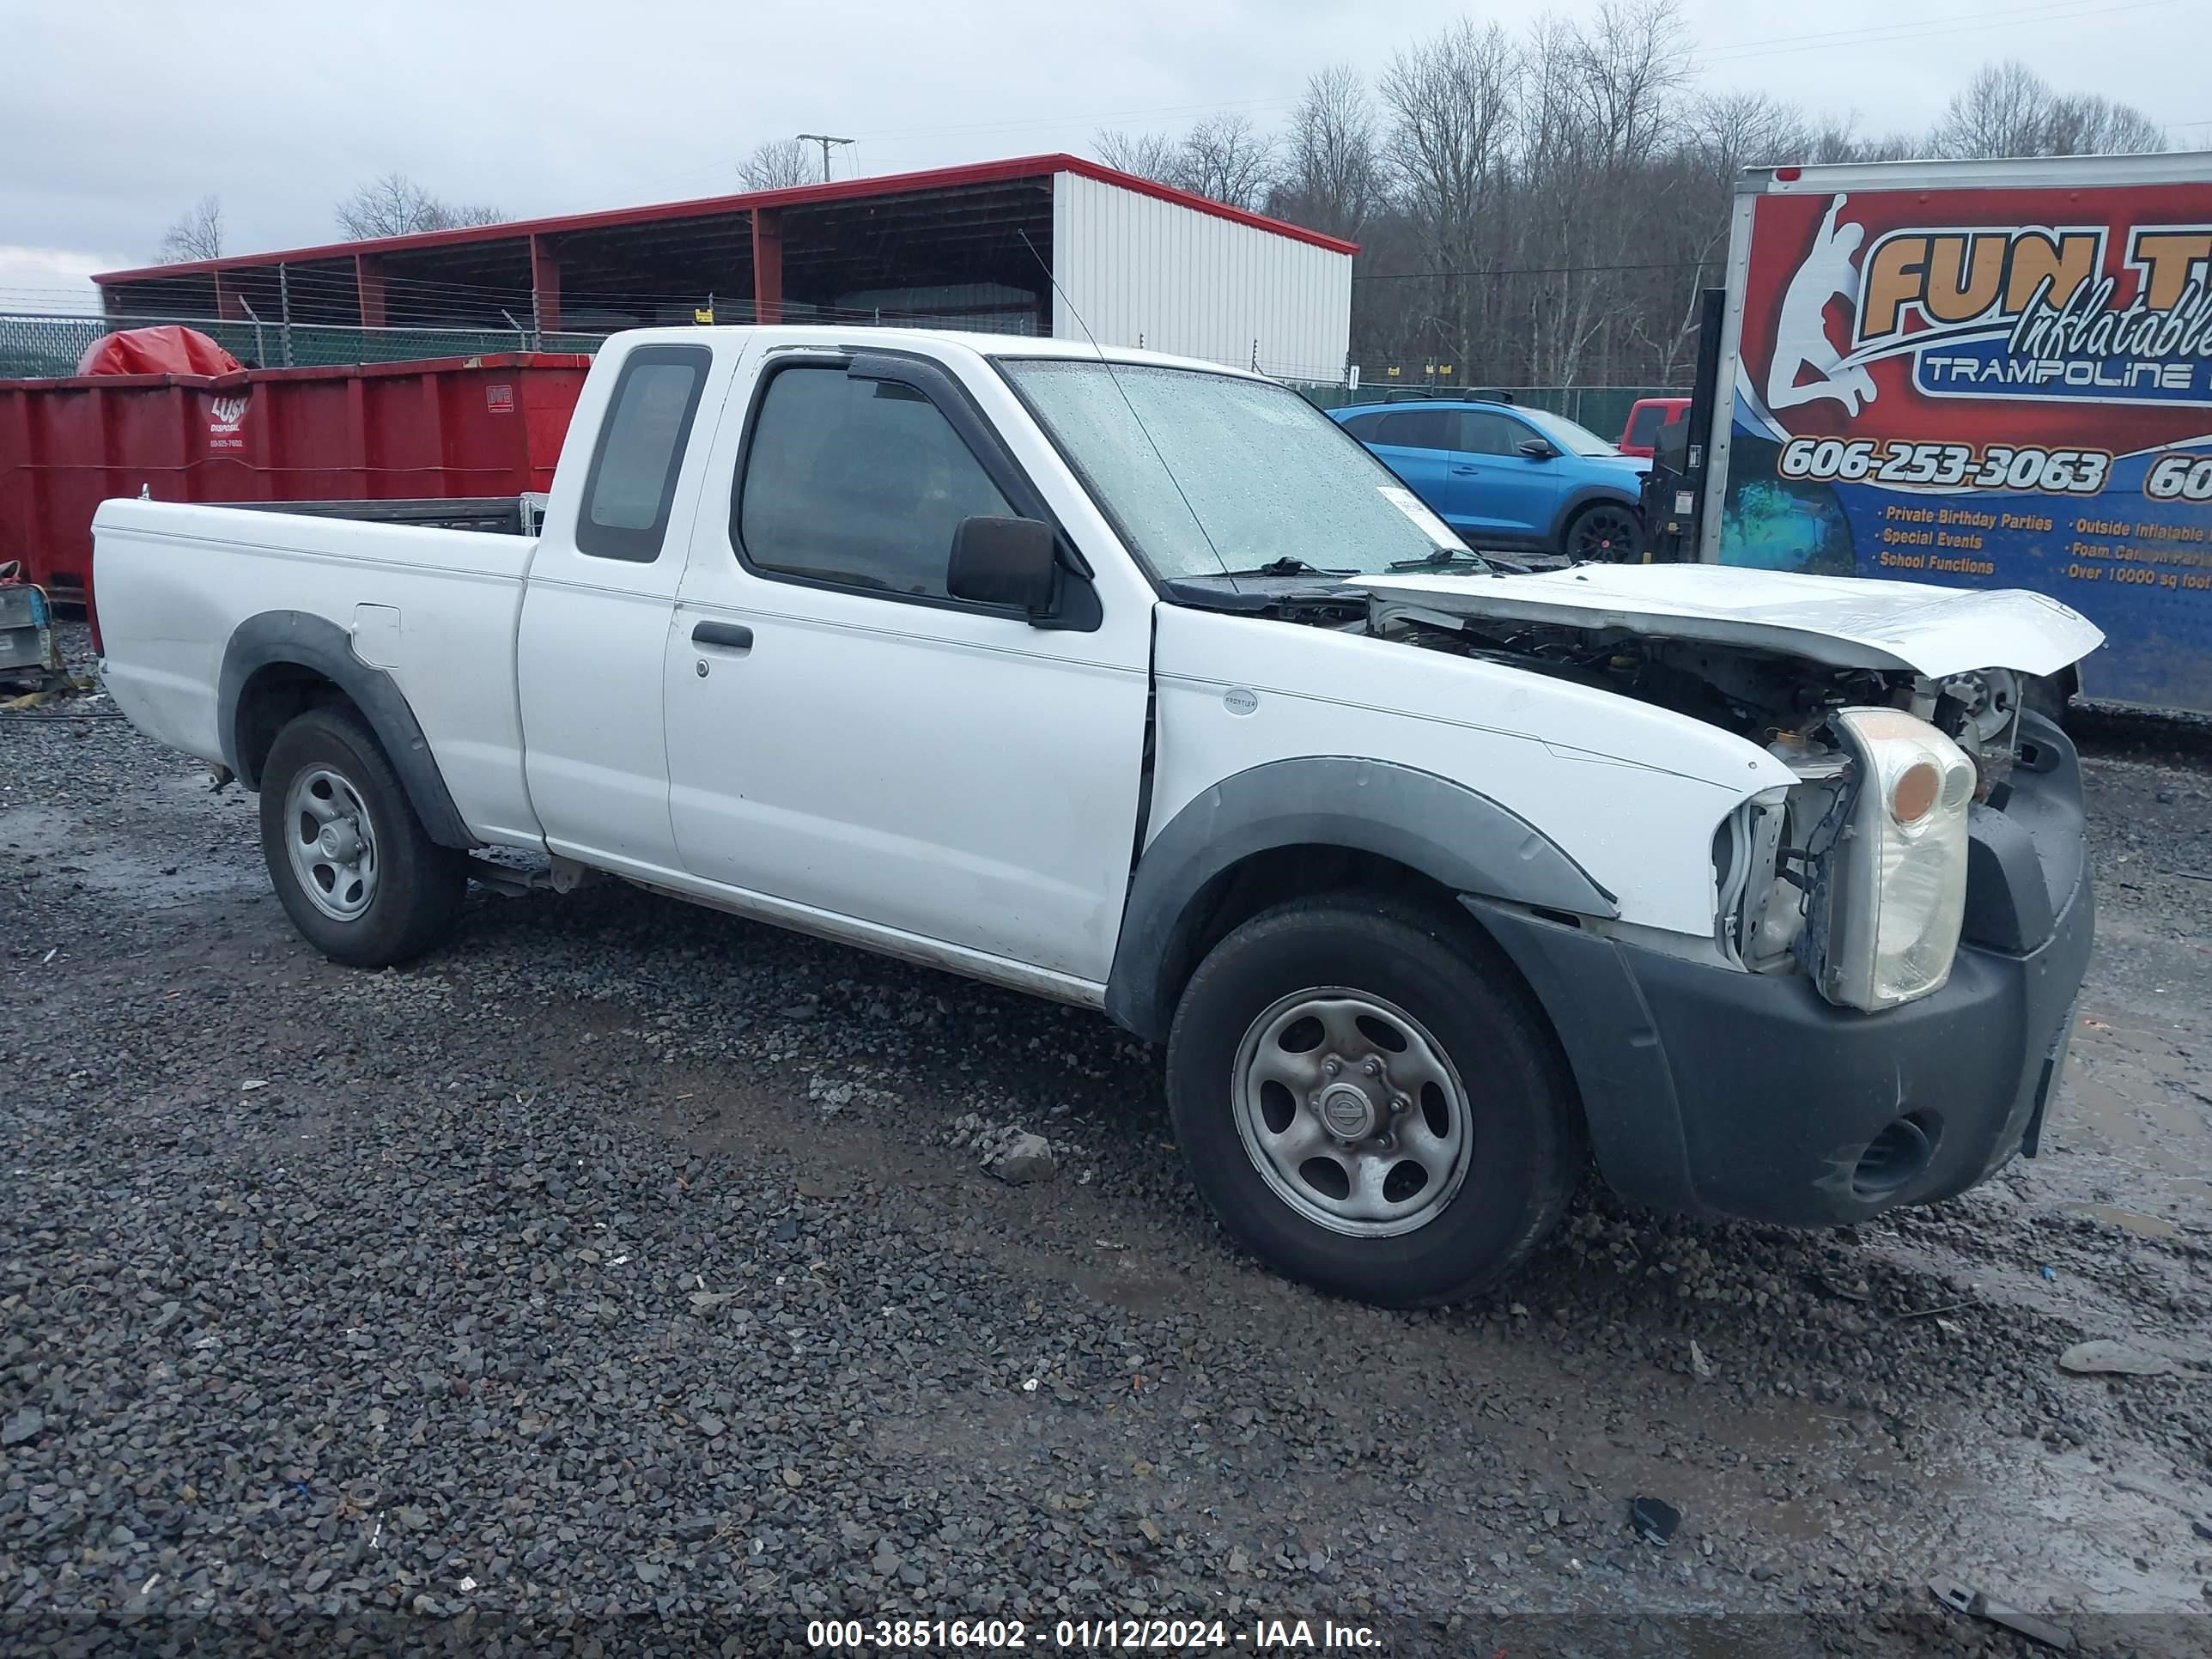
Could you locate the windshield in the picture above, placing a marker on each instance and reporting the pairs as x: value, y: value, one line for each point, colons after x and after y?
x: 1575, y: 439
x: 1253, y: 473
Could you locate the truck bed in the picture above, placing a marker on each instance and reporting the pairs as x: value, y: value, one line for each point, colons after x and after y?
x: 435, y: 608
x: 504, y: 515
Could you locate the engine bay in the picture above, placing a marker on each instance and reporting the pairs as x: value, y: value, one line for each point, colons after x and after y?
x: 1781, y: 702
x: 1790, y: 881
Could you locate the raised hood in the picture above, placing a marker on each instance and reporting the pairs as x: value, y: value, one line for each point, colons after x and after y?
x: 1843, y: 620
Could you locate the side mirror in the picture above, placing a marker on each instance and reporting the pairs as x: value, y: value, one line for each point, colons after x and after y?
x: 1537, y: 449
x: 1010, y: 561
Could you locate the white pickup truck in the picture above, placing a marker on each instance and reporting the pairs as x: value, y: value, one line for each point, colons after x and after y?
x: 1136, y: 682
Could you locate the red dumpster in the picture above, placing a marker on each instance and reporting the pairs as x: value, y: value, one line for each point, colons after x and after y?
x: 447, y: 426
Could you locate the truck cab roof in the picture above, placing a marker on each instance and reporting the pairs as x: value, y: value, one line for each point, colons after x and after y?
x: 930, y: 342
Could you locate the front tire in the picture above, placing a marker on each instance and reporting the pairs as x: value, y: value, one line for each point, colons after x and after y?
x: 1604, y: 532
x: 1369, y: 1104
x: 352, y: 865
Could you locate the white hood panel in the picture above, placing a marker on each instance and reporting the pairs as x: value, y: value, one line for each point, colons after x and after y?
x: 1846, y: 622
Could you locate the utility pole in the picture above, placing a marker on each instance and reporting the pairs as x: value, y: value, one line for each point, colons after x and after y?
x: 826, y: 141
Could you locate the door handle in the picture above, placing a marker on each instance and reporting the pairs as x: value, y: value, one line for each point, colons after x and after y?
x: 727, y: 636
x: 1465, y: 471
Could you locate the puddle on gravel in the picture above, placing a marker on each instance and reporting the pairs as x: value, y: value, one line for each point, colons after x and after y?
x: 65, y: 850
x: 2129, y: 1136
x: 2148, y: 1225
x: 2053, y: 1532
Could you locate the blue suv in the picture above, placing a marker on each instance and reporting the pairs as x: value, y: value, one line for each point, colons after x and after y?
x: 1510, y: 478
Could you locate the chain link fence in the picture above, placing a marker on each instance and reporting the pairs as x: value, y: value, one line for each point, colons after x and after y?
x: 38, y: 347
x: 41, y: 347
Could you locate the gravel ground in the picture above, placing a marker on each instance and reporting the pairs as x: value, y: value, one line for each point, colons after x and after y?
x: 625, y: 1275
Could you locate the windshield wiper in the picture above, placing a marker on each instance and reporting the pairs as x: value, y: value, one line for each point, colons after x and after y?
x: 1289, y: 567
x: 1442, y: 558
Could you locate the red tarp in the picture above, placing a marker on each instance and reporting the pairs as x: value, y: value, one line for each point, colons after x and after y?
x: 168, y: 350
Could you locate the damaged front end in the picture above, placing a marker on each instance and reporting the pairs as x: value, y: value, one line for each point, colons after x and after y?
x: 1855, y: 874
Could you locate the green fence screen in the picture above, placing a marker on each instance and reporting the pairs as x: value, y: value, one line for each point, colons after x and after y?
x: 42, y: 347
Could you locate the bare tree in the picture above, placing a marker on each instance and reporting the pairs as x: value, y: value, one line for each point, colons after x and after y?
x: 1451, y: 99
x: 1224, y: 157
x: 196, y: 234
x: 1629, y: 70
x: 1600, y: 110
x: 2001, y: 112
x: 2008, y: 109
x: 1838, y: 138
x: 2090, y: 125
x: 1718, y: 136
x: 779, y: 164
x: 395, y: 205
x: 1733, y: 130
x: 1148, y: 154
x: 1227, y: 159
x: 1331, y: 173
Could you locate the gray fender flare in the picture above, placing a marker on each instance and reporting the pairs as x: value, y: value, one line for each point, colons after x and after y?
x: 1455, y: 836
x: 300, y: 639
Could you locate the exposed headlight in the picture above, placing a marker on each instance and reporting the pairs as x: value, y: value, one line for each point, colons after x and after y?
x: 1898, y: 885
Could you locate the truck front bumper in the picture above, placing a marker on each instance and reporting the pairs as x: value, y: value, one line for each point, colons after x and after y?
x: 1712, y: 1091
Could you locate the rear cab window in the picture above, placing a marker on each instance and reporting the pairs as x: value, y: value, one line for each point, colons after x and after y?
x: 1643, y: 422
x: 632, y: 483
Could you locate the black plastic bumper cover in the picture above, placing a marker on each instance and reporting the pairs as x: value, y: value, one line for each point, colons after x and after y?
x: 1712, y: 1091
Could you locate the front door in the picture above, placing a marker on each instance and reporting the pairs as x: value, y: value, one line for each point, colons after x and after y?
x: 845, y: 737
x: 1500, y: 490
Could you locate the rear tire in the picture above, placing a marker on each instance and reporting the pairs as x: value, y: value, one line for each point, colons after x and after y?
x: 1367, y: 1036
x: 1604, y: 532
x: 351, y: 862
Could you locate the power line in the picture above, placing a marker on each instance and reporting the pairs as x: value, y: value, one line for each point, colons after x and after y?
x: 1883, y: 35
x: 1725, y: 52
x: 826, y: 141
x: 1533, y: 270
x: 2051, y: 11
x: 1029, y: 124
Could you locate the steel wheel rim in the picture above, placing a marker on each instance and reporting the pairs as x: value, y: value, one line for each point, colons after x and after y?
x: 332, y: 842
x: 1318, y: 1082
x: 1606, y: 533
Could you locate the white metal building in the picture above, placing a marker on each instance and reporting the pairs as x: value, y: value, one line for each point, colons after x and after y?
x: 1027, y: 246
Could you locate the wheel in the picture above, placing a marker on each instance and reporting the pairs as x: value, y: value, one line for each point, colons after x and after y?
x: 354, y: 869
x: 1369, y: 1104
x: 1606, y: 531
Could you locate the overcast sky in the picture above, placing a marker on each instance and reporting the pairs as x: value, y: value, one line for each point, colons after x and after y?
x: 117, y: 116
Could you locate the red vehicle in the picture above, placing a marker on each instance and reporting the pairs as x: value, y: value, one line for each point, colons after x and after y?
x: 1645, y: 417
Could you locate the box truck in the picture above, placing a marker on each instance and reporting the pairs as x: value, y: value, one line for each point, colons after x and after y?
x: 1980, y: 375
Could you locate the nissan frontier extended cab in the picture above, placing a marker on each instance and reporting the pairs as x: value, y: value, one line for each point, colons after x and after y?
x: 1136, y: 682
